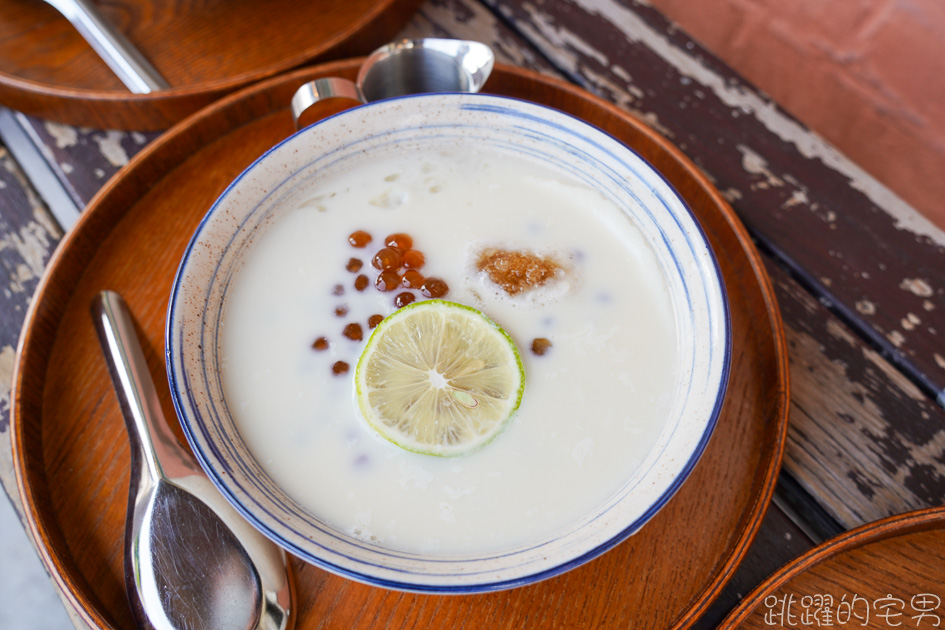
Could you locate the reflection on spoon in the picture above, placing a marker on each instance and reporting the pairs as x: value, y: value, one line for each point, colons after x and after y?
x: 191, y: 561
x: 126, y: 61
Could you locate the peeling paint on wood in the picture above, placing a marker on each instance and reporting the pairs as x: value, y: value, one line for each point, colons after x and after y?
x: 28, y: 235
x: 742, y: 98
x: 63, y: 136
x: 109, y: 145
x: 83, y: 158
x: 862, y: 438
x: 7, y: 357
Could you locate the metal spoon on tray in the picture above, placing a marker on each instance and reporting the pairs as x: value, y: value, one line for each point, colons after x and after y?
x: 409, y: 66
x: 191, y: 561
x: 126, y: 61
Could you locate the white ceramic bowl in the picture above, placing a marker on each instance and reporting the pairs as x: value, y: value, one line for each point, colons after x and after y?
x: 506, y: 125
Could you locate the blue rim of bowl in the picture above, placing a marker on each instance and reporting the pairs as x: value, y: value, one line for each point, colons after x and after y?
x: 487, y: 586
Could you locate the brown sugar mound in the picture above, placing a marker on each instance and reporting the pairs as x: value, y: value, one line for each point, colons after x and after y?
x: 517, y: 271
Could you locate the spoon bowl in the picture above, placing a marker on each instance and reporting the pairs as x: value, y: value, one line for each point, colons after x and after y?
x: 181, y: 536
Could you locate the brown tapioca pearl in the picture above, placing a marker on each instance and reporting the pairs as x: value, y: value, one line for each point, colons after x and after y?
x: 434, y: 288
x: 403, y: 299
x: 387, y: 280
x: 386, y: 258
x: 540, y: 345
x: 399, y: 241
x: 359, y: 238
x: 340, y: 367
x: 353, y: 332
x: 412, y: 279
x: 374, y: 320
x: 321, y: 343
x: 338, y: 290
x: 342, y: 310
x: 354, y: 265
x: 412, y: 259
x: 361, y: 282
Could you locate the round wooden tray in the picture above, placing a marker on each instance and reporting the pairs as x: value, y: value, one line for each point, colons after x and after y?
x: 895, y: 567
x: 204, y: 49
x: 71, y: 454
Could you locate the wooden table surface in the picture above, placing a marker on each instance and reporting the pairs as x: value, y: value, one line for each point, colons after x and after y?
x: 859, y: 275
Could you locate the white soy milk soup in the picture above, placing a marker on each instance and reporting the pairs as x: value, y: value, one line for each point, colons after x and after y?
x: 594, y: 403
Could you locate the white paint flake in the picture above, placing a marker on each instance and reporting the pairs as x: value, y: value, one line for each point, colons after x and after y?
x: 896, y: 338
x: 31, y: 244
x: 110, y: 146
x: 918, y: 286
x: 65, y: 136
x: 757, y: 165
x: 798, y: 197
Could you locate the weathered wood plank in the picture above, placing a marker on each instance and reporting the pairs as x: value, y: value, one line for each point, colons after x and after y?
x: 28, y: 235
x: 862, y: 438
x: 82, y: 158
x: 879, y: 262
x: 778, y: 541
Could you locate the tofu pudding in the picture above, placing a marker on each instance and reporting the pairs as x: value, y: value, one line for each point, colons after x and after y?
x: 599, y: 386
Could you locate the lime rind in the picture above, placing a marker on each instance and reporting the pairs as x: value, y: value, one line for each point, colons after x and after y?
x: 439, y: 378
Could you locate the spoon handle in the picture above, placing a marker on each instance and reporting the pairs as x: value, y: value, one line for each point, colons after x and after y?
x: 126, y: 61
x: 150, y: 435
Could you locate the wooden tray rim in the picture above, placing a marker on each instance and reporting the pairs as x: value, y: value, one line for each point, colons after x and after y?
x: 49, y: 94
x: 928, y: 519
x: 91, y: 221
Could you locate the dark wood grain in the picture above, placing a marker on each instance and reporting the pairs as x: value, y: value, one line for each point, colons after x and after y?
x: 83, y: 158
x: 72, y: 457
x: 203, y: 48
x: 876, y: 261
x: 778, y: 541
x: 863, y: 439
x: 28, y: 235
x: 893, y: 561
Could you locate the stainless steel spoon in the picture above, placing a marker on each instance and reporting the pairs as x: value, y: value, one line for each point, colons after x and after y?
x: 191, y: 561
x: 409, y: 66
x: 126, y: 61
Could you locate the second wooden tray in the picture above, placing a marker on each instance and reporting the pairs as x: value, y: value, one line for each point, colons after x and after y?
x: 204, y: 48
x: 886, y: 574
x: 71, y: 453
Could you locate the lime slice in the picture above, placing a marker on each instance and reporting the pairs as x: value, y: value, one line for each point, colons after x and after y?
x: 439, y: 378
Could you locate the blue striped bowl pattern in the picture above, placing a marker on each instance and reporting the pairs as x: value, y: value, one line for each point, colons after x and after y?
x: 400, y: 126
